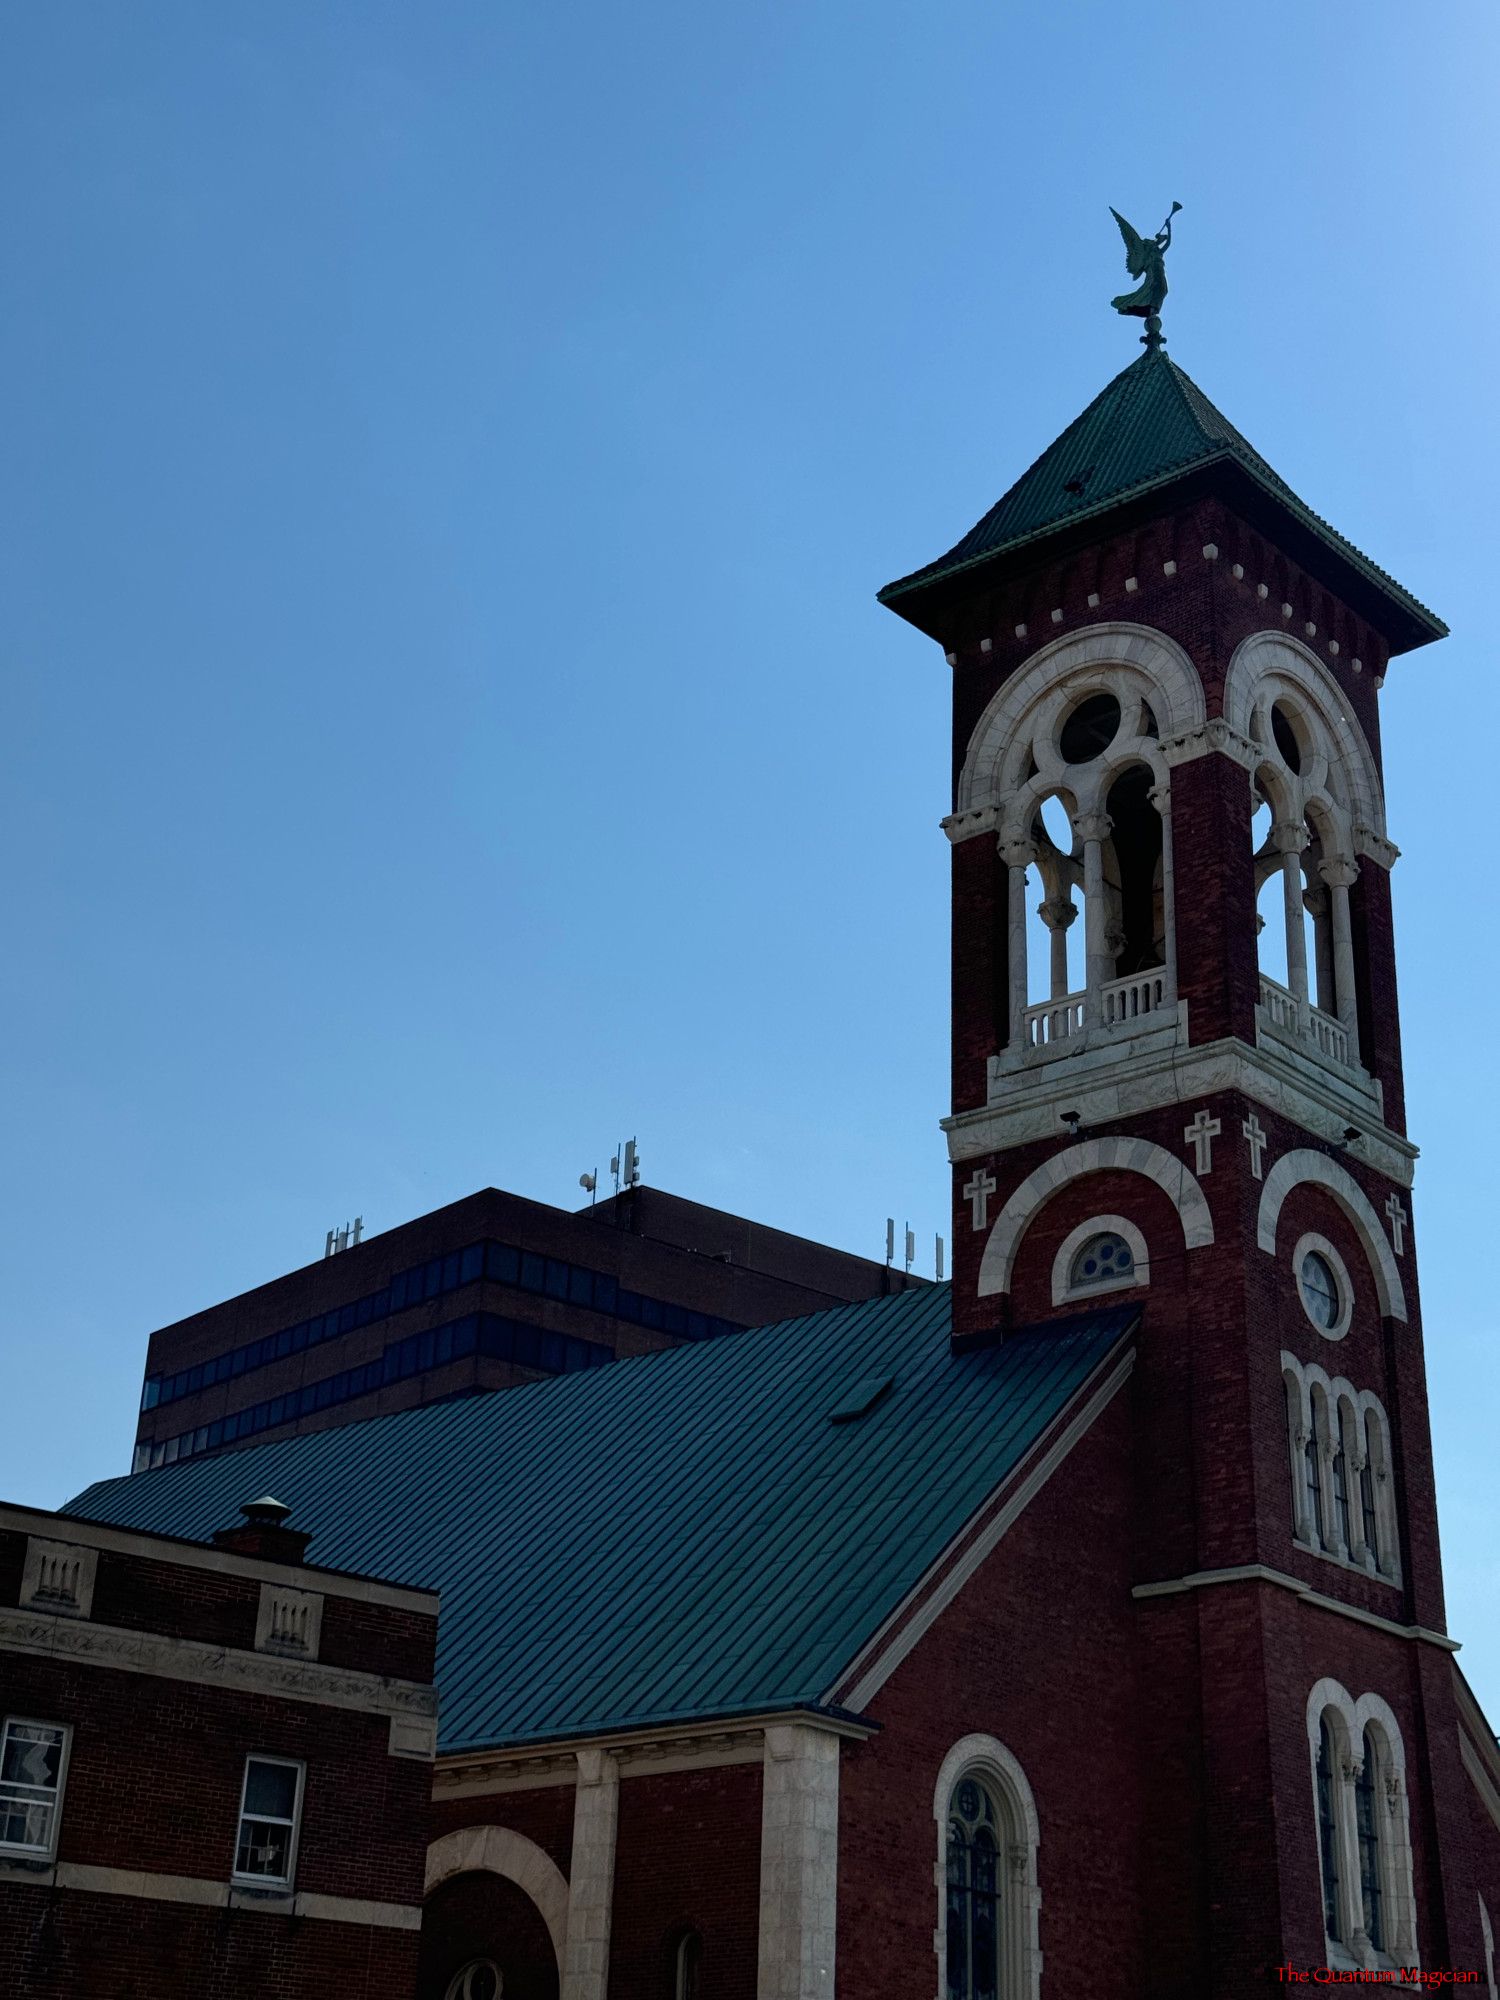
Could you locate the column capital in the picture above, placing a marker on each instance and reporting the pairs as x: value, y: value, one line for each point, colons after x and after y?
x: 1057, y: 913
x: 1018, y: 851
x: 1093, y: 826
x: 1289, y: 836
x: 1338, y: 874
x: 1161, y: 797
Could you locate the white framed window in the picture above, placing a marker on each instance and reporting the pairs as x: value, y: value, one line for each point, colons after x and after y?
x: 1364, y: 1841
x: 1343, y: 1499
x: 1105, y: 1254
x: 987, y: 1935
x: 265, y: 1848
x: 33, y: 1771
x: 1323, y: 1285
x: 479, y: 1980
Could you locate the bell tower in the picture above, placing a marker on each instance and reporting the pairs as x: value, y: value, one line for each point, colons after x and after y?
x: 1176, y: 1085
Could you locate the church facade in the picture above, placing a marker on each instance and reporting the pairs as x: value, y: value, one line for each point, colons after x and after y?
x: 1077, y: 1628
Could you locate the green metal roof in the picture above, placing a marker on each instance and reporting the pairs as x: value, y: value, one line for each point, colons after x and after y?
x: 1148, y: 429
x: 684, y: 1534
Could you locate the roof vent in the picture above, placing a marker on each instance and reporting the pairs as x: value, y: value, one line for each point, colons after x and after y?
x: 861, y: 1399
x: 262, y: 1531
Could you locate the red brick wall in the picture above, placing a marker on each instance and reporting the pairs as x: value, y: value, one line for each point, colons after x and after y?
x: 1039, y: 1650
x: 56, y: 1946
x: 156, y: 1768
x: 688, y: 1856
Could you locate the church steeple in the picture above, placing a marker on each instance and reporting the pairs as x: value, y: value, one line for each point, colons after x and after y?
x: 1177, y: 1085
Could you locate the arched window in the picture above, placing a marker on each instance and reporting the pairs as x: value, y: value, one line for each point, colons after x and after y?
x: 1369, y: 1520
x: 1312, y: 1454
x: 1105, y: 1254
x: 987, y: 1832
x: 1367, y: 1824
x: 1364, y: 1841
x: 1328, y: 1839
x: 687, y: 1967
x: 973, y: 1894
x: 479, y: 1980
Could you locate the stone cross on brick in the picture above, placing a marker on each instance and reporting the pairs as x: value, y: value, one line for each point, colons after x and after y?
x: 1255, y: 1139
x: 1399, y: 1221
x: 1200, y: 1135
x: 981, y: 1185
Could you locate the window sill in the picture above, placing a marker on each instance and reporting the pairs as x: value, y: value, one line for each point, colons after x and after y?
x: 29, y: 1867
x: 1348, y: 1565
x: 272, y: 1896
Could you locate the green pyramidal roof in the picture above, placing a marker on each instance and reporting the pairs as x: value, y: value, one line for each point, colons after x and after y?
x: 1153, y: 428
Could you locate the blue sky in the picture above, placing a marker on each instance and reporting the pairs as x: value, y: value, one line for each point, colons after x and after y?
x: 447, y: 725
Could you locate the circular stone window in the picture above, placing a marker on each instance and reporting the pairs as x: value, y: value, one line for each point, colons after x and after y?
x: 479, y: 1981
x: 1323, y: 1286
x: 1090, y: 729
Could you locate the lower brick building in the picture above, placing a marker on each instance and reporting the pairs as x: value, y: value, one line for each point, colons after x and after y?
x: 215, y: 1765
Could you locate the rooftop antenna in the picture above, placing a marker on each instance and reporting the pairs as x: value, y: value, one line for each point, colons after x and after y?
x: 590, y: 1185
x: 614, y: 1165
x: 630, y: 1171
x: 940, y: 1260
x: 911, y: 1248
x: 890, y: 1240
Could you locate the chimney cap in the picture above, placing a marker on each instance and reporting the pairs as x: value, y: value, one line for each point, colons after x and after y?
x: 266, y: 1512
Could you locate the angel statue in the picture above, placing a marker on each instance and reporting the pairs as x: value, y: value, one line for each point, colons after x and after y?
x: 1145, y: 259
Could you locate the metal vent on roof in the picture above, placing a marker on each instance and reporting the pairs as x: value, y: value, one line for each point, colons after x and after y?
x: 861, y: 1399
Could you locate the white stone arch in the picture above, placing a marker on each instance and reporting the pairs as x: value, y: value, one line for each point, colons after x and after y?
x: 499, y: 1850
x: 1134, y: 655
x: 1092, y: 1156
x: 1304, y: 1164
x: 1097, y: 1225
x: 1270, y: 662
x: 986, y: 1758
x: 1351, y: 1718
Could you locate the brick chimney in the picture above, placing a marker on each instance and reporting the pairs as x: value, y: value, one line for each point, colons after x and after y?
x: 264, y: 1533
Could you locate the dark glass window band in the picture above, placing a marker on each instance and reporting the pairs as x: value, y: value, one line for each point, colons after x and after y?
x: 476, y: 1333
x: 528, y: 1270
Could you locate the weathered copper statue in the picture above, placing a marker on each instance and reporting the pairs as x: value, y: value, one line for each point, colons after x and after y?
x: 1145, y: 258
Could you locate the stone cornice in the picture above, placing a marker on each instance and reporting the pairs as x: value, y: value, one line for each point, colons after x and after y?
x: 86, y: 1644
x: 1205, y: 1579
x: 1107, y: 1085
x: 636, y: 1752
x: 78, y: 1529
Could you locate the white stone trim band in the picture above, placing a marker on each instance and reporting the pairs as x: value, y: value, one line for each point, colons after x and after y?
x: 1092, y: 1156
x: 43, y: 1636
x: 154, y: 1888
x: 1259, y: 1573
x: 1306, y: 1166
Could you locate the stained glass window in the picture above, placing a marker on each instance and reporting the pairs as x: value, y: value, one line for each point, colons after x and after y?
x: 973, y: 1894
x: 1104, y: 1259
x: 1327, y: 1832
x: 1367, y: 1825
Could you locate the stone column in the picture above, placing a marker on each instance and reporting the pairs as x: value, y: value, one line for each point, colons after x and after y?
x: 1341, y: 877
x: 799, y: 1849
x: 1094, y: 829
x: 1161, y: 798
x: 1018, y: 856
x: 591, y: 1887
x: 1057, y: 913
x: 1290, y: 837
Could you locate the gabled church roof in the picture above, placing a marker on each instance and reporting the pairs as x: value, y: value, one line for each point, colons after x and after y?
x: 709, y: 1531
x: 1152, y: 429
